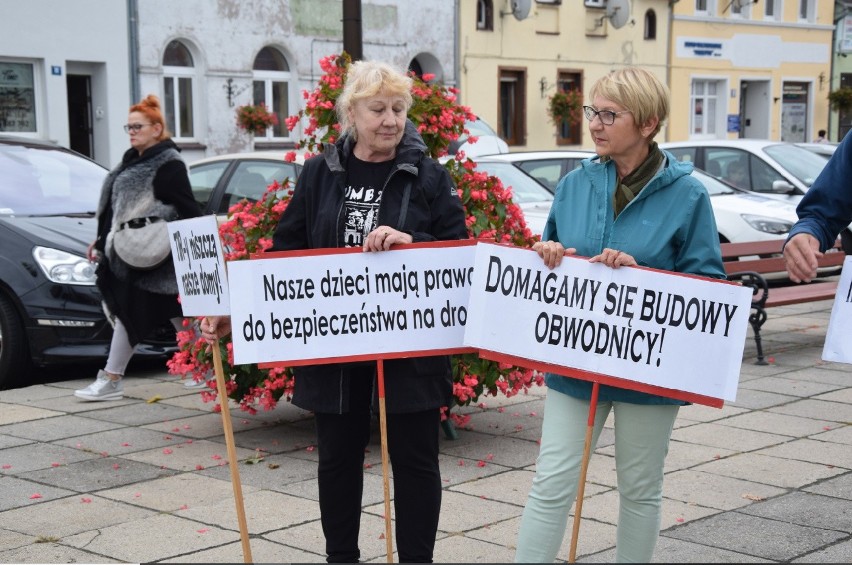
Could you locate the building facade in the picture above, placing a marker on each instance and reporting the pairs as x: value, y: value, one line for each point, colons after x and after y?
x: 736, y: 68
x: 65, y: 74
x: 513, y: 61
x: 749, y: 69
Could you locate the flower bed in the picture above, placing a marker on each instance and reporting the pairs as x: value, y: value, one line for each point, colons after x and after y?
x: 491, y: 214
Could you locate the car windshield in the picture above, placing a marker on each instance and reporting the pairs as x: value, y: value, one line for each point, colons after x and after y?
x: 803, y: 164
x: 525, y: 189
x: 713, y: 185
x: 478, y: 127
x: 43, y: 181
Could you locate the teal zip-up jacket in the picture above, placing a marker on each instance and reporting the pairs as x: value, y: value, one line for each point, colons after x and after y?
x: 669, y: 226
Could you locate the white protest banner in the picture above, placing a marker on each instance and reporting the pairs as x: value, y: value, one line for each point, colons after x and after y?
x: 637, y: 328
x: 838, y: 344
x: 331, y: 305
x: 199, y: 266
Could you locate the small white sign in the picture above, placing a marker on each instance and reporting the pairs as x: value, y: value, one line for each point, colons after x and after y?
x: 838, y: 343
x: 199, y: 266
x: 651, y: 327
x: 332, y: 305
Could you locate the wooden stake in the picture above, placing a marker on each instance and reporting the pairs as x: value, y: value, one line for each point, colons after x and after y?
x: 380, y: 365
x: 587, y: 448
x: 232, y: 452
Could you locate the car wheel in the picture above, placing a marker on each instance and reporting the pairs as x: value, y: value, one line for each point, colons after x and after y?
x: 15, y: 362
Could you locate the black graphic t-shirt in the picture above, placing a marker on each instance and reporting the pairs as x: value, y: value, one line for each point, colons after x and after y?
x: 364, y: 183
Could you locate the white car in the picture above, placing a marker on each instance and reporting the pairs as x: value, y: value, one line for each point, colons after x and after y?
x: 533, y: 198
x: 775, y: 169
x: 487, y: 141
x: 547, y: 167
x: 824, y: 149
x: 740, y: 215
x: 220, y: 182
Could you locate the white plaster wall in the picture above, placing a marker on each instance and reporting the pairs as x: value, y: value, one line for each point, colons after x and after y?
x: 87, y: 36
x: 226, y: 35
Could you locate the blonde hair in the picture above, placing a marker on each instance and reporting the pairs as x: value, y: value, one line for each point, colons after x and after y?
x: 637, y: 90
x: 150, y: 106
x: 369, y: 78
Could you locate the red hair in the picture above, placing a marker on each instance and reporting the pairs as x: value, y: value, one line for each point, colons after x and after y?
x: 150, y: 106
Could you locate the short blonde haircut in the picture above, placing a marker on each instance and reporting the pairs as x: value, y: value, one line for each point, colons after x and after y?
x: 637, y: 90
x: 369, y: 78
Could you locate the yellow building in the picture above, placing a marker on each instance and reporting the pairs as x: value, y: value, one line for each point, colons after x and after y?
x: 740, y: 68
x: 736, y: 68
x: 513, y: 55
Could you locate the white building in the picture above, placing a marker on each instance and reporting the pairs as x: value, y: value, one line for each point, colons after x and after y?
x: 202, y: 58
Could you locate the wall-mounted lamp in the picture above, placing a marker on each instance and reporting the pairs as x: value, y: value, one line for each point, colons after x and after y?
x: 544, y: 86
x: 233, y: 91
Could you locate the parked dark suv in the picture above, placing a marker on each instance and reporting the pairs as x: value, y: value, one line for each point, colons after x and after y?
x: 50, y: 308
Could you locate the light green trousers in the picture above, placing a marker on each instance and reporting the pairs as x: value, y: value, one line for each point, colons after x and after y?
x: 642, y: 435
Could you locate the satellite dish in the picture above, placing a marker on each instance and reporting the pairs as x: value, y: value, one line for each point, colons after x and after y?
x: 521, y: 9
x: 618, y: 12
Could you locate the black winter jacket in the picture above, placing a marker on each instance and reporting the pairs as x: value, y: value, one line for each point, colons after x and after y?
x: 418, y: 198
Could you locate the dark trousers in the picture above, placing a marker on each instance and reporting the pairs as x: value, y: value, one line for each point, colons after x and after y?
x: 413, y: 449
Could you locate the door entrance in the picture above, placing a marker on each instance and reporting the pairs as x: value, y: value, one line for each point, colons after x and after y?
x: 754, y: 116
x: 80, y: 114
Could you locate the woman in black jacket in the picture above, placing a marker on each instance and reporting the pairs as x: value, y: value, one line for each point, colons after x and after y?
x: 151, y: 180
x: 374, y: 188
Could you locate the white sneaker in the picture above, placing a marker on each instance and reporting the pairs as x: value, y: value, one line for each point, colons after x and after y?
x: 104, y: 388
x: 192, y: 383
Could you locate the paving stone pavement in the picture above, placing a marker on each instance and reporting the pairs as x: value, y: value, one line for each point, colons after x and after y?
x: 767, y: 478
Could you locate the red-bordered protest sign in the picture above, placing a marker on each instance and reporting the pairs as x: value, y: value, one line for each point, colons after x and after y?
x: 675, y: 335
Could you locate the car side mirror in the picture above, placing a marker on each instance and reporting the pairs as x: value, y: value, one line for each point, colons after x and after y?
x: 783, y: 187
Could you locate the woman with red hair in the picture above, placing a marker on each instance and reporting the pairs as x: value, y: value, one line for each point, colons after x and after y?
x: 150, y: 181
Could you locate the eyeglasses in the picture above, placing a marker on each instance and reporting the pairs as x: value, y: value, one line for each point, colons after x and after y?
x: 134, y: 127
x: 607, y: 117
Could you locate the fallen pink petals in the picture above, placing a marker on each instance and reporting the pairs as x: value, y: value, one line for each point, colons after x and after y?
x: 184, y: 507
x: 489, y: 457
x: 480, y: 463
x: 137, y: 494
x: 167, y: 437
x: 216, y: 457
x: 368, y: 465
x: 125, y: 444
x: 310, y: 448
x: 461, y: 463
x: 203, y: 530
x: 56, y: 464
x: 85, y: 500
x: 199, y: 467
x: 167, y: 451
x: 7, y: 466
x: 678, y: 519
x: 35, y: 496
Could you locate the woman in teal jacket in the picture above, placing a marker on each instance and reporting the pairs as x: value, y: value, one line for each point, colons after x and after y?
x: 632, y: 204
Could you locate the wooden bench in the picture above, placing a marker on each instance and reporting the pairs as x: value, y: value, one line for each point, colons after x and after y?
x: 749, y: 262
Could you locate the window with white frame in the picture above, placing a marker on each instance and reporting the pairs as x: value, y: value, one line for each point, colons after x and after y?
x: 705, y: 7
x: 705, y: 100
x: 772, y: 9
x: 484, y: 15
x: 271, y: 87
x: 178, y: 80
x: 17, y: 97
x: 807, y: 10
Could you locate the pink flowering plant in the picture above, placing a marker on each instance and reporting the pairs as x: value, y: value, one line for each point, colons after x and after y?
x: 491, y: 215
x: 256, y: 118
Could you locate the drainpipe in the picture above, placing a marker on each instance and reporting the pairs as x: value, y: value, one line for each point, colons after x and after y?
x: 669, y: 55
x: 457, y: 49
x: 133, y: 48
